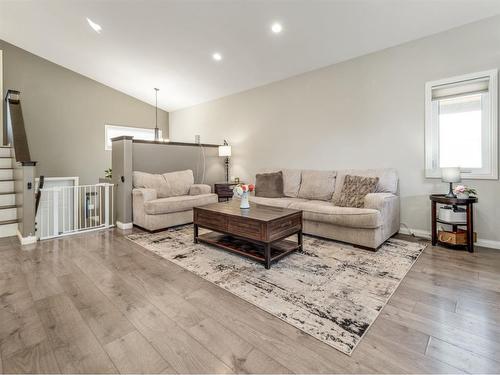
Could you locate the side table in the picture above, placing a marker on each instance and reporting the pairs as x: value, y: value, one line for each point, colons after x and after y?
x: 469, y: 223
x: 224, y: 190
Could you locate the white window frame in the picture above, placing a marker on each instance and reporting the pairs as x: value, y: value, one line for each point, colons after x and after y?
x: 432, y: 169
x: 126, y: 130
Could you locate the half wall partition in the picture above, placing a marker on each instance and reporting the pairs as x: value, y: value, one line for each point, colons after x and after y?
x: 130, y: 155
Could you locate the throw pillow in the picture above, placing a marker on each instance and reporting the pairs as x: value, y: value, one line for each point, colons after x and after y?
x: 355, y: 189
x: 151, y: 181
x: 269, y: 185
x: 318, y: 185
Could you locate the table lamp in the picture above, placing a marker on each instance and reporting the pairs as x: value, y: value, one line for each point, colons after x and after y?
x: 225, y: 151
x: 450, y: 175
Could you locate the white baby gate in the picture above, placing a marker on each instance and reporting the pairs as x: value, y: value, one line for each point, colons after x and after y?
x: 65, y: 210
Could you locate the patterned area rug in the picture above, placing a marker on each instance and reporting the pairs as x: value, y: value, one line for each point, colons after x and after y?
x: 332, y: 291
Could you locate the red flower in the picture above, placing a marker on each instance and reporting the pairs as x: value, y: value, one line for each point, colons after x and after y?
x: 251, y: 187
x: 244, y: 187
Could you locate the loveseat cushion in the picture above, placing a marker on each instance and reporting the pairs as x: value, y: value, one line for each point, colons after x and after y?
x: 275, y: 202
x: 178, y: 203
x: 326, y: 212
x: 179, y: 182
x: 143, y: 180
x: 317, y: 185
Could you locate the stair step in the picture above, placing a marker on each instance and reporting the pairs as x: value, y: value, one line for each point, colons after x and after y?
x: 6, y: 222
x: 6, y: 207
x: 7, y: 192
x: 7, y: 180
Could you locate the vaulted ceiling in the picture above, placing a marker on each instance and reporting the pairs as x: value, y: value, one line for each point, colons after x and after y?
x: 170, y: 43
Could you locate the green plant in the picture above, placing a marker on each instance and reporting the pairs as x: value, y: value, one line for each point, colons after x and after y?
x: 108, y: 173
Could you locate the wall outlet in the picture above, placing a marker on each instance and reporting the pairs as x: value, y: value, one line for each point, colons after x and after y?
x: 197, y: 139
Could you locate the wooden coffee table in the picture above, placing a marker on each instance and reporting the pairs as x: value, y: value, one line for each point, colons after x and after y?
x: 259, y: 232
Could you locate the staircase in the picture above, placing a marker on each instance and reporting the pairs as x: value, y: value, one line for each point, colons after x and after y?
x: 8, y: 208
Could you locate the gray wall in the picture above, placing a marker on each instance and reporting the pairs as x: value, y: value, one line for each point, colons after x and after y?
x: 366, y: 112
x: 159, y: 158
x: 65, y: 114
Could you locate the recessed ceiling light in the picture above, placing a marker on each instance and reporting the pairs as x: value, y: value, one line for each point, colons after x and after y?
x: 217, y: 56
x: 276, y: 28
x: 97, y: 28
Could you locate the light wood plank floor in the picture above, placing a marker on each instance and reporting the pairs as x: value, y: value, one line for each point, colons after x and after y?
x: 98, y: 303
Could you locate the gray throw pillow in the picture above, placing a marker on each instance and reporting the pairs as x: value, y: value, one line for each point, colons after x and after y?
x: 269, y: 185
x: 354, y: 191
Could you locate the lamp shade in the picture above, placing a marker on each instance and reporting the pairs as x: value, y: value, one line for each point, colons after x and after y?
x: 225, y: 150
x: 451, y: 174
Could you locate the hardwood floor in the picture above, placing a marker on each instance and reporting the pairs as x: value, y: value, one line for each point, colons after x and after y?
x: 98, y: 303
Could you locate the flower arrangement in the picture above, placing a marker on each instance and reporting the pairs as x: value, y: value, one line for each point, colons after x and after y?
x: 242, y: 190
x: 463, y: 192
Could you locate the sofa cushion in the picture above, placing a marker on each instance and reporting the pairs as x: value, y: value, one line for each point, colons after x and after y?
x: 151, y: 181
x: 326, y: 212
x: 291, y: 182
x: 317, y: 185
x: 179, y: 182
x: 354, y: 191
x: 178, y: 203
x: 269, y: 185
x: 275, y: 202
x: 387, y: 179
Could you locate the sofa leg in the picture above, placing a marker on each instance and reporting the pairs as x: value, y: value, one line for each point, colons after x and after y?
x: 367, y: 248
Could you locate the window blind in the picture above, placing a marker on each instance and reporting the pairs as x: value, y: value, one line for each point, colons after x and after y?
x: 452, y: 90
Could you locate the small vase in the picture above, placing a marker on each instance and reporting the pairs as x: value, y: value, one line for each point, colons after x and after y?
x: 463, y: 195
x: 244, y: 200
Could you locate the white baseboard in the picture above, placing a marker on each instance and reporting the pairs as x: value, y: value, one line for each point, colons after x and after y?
x: 124, y: 226
x: 26, y: 240
x: 427, y: 235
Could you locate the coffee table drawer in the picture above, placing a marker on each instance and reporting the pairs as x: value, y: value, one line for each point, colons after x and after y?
x: 245, y: 228
x: 210, y: 221
x: 282, y: 227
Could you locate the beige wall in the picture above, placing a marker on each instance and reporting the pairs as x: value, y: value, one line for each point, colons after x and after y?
x: 65, y: 113
x: 366, y: 112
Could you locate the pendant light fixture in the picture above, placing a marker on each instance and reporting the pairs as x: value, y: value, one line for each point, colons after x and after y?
x: 157, y: 131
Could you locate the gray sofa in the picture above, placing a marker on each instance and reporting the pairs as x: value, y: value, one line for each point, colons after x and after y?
x: 162, y: 201
x: 314, y: 192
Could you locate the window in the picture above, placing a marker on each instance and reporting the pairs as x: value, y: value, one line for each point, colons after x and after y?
x: 461, y: 128
x: 112, y: 131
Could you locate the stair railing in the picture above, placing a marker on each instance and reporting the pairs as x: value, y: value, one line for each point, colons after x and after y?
x: 14, y: 134
x: 38, y: 193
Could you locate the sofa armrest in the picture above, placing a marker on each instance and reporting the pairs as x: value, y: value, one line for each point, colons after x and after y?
x: 388, y: 205
x: 378, y: 201
x: 198, y: 189
x: 144, y: 194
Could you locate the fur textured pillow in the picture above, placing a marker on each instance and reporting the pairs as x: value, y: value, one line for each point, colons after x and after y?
x: 355, y: 189
x: 269, y: 185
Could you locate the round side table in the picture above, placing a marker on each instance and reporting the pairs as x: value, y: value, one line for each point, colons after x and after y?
x: 469, y: 223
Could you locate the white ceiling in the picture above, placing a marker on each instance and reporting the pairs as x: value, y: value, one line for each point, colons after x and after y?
x: 169, y: 43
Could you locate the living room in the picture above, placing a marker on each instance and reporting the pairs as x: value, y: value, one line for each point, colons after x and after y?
x: 288, y: 187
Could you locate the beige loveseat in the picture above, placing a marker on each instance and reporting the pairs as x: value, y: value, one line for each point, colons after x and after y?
x: 162, y: 201
x: 314, y: 192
